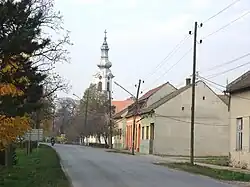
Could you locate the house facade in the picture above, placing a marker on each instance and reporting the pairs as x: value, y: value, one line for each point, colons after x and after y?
x: 120, y: 124
x: 239, y: 91
x: 166, y: 123
x: 147, y: 99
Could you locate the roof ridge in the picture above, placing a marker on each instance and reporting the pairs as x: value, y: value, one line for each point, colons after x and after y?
x: 153, y: 90
x: 235, y: 85
x: 167, y: 98
x: 240, y: 78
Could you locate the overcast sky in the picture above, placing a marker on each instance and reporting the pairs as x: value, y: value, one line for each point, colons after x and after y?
x: 141, y: 33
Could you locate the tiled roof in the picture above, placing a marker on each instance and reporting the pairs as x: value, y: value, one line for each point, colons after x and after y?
x: 143, y: 99
x: 224, y: 98
x: 120, y: 105
x: 118, y: 115
x: 151, y: 92
x: 165, y: 99
x: 170, y: 96
x: 242, y: 82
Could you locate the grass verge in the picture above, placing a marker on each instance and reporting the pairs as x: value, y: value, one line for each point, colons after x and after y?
x: 226, y: 175
x: 40, y: 169
x: 220, y: 161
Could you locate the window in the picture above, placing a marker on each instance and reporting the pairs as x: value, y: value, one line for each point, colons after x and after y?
x: 108, y: 86
x: 204, y: 98
x: 99, y: 86
x: 182, y: 108
x: 147, y: 132
x: 239, y: 134
x: 120, y: 134
x: 142, y: 133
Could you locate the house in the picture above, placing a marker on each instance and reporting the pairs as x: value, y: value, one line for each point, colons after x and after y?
x: 165, y: 124
x: 120, y: 105
x: 146, y: 100
x: 120, y: 122
x: 239, y: 91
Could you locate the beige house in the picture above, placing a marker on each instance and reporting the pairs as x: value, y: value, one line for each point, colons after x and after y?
x: 239, y: 91
x: 166, y: 123
x: 120, y: 123
x: 147, y: 99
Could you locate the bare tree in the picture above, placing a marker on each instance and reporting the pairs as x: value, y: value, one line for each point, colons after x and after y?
x: 98, y: 108
x: 64, y: 114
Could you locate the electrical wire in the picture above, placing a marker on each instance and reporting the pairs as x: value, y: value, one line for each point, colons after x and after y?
x: 225, y: 26
x: 224, y: 72
x: 170, y: 54
x: 212, y: 83
x: 226, y: 63
x: 221, y: 11
x: 171, y: 67
x: 172, y: 118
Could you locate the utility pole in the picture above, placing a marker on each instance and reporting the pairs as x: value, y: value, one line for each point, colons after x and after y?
x: 135, y: 115
x: 86, y: 113
x: 193, y: 96
x: 110, y: 121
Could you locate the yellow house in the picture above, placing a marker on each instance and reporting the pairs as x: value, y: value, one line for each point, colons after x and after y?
x: 239, y: 91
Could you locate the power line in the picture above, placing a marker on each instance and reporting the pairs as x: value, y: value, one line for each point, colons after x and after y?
x: 171, y: 67
x: 199, y: 123
x: 225, y: 26
x: 223, y: 72
x: 221, y: 11
x: 228, y: 62
x: 170, y: 54
x: 214, y: 83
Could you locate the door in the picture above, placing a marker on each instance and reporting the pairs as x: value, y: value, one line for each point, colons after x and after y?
x: 138, y: 137
x: 151, y: 138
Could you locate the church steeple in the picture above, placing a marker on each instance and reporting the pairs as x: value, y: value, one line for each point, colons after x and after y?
x: 105, y: 63
x: 103, y: 79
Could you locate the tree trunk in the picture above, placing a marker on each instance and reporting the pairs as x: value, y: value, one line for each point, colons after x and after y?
x: 105, y: 139
x: 8, y: 156
x: 99, y: 138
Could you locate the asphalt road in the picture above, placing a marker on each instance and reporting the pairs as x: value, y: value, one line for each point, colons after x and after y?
x: 90, y: 167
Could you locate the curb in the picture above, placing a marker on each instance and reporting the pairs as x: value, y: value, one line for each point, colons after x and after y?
x: 63, y: 169
x: 66, y: 173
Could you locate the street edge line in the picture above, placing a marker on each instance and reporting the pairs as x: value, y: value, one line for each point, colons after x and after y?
x: 64, y: 170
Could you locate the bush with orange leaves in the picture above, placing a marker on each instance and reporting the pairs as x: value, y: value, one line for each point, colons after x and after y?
x: 11, y: 128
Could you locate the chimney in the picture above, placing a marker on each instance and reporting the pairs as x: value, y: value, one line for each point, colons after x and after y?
x: 188, y: 81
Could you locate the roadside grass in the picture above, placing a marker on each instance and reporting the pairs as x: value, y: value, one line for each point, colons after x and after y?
x: 220, y: 161
x: 221, y: 174
x: 40, y: 169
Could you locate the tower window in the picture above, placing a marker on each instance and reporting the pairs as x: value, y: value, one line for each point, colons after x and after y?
x: 99, y: 88
x: 182, y: 108
x: 108, y: 86
x: 203, y: 98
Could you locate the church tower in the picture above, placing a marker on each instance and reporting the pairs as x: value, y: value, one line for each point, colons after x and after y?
x: 103, y: 79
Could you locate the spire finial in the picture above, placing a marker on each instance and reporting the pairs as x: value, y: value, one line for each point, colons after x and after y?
x: 105, y: 32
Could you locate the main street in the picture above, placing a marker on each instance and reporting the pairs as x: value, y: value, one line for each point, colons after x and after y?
x: 90, y: 167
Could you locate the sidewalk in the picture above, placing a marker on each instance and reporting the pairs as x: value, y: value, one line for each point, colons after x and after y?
x: 181, y: 159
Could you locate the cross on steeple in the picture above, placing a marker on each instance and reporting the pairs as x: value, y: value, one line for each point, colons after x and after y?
x: 105, y: 32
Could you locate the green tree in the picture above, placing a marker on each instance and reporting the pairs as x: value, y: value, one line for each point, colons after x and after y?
x: 28, y: 55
